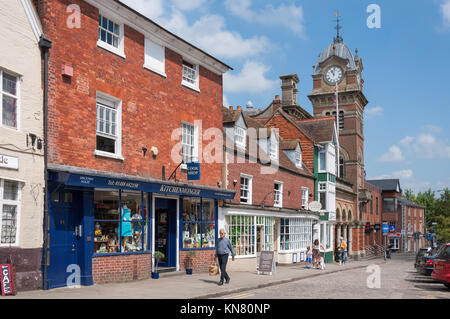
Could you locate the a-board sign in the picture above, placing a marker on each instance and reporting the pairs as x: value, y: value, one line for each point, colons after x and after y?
x: 7, y: 280
x: 266, y: 261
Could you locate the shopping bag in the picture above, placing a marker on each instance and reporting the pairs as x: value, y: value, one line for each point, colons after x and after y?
x: 213, y: 270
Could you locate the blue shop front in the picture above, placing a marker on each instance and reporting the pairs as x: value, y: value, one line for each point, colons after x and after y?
x: 103, y: 228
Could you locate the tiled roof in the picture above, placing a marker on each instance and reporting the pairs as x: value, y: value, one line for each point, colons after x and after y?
x: 230, y: 116
x: 321, y: 130
x: 385, y: 184
x: 407, y: 202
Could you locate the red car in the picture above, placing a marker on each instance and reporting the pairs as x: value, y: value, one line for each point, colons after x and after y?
x: 441, y: 271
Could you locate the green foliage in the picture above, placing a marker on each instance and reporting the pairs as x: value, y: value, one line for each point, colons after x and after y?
x: 437, y: 210
x: 158, y: 255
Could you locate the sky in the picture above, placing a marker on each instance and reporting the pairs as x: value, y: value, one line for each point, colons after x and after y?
x: 405, y: 57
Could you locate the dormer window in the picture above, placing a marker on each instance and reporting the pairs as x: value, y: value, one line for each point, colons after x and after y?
x: 298, y: 157
x: 273, y: 148
x: 239, y: 136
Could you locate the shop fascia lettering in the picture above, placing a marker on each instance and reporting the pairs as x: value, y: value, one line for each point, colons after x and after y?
x: 122, y: 184
x: 177, y: 189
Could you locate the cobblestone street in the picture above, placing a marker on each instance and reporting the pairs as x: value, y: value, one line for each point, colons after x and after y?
x: 399, y: 280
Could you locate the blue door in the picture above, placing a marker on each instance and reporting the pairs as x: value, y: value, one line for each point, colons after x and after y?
x: 65, y: 246
x: 166, y: 230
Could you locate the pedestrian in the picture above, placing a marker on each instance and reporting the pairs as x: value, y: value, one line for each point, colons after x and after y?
x: 321, y: 262
x: 342, y: 252
x: 309, y: 255
x: 223, y: 249
x: 315, y: 253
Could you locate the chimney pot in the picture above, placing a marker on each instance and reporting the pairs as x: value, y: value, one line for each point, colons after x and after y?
x: 239, y: 107
x: 231, y: 107
x: 277, y: 97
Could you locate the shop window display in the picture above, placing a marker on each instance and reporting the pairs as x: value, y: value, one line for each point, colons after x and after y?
x: 119, y: 231
x: 198, y: 228
x: 241, y: 230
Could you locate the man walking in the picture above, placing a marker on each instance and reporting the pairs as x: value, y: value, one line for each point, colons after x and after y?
x: 223, y: 248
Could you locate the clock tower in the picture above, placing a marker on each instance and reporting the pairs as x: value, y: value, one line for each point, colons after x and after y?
x: 338, y: 67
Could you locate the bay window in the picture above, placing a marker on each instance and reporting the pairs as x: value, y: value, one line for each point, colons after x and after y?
x: 295, y: 233
x: 323, y: 195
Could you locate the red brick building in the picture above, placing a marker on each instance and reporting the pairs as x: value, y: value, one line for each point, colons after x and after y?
x: 128, y: 106
x: 273, y: 188
x: 405, y: 218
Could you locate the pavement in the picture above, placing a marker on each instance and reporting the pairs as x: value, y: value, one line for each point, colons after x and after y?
x: 178, y: 285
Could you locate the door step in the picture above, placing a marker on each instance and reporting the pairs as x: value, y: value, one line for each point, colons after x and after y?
x: 162, y: 270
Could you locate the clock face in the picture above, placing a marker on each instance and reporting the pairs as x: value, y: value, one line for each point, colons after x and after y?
x: 334, y: 74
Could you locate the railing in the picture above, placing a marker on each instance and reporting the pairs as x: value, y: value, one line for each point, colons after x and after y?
x: 374, y: 251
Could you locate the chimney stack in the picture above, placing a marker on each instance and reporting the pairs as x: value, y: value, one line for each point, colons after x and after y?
x: 239, y: 108
x: 289, y: 89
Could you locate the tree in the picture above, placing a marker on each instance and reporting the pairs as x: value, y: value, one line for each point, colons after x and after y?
x: 409, y: 194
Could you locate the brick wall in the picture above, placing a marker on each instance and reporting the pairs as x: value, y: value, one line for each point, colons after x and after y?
x: 288, y: 131
x: 201, y: 261
x: 263, y: 184
x: 108, y: 269
x: 152, y: 105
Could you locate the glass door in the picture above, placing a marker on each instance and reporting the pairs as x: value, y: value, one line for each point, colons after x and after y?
x: 162, y: 233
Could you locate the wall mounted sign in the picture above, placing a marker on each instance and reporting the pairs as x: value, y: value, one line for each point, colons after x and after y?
x: 391, y: 228
x: 315, y: 206
x: 7, y: 283
x: 9, y: 162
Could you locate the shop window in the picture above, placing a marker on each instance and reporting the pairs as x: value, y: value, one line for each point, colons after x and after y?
x: 9, y: 206
x: 265, y: 235
x: 8, y: 100
x: 241, y: 232
x: 120, y: 222
x: 198, y: 223
x: 295, y: 233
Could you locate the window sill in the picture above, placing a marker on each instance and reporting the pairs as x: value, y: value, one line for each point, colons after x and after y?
x: 110, y: 48
x: 159, y: 72
x: 109, y: 155
x: 190, y: 86
x: 244, y: 203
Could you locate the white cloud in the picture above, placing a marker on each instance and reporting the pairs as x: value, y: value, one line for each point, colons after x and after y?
x: 393, y: 155
x: 404, y: 174
x: 288, y: 16
x: 251, y: 79
x: 150, y: 8
x: 188, y: 5
x: 445, y: 8
x: 432, y: 128
x: 426, y: 145
x: 374, y: 111
x: 210, y: 34
x: 406, y: 140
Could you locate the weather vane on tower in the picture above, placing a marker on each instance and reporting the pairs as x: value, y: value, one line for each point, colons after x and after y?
x: 338, y: 27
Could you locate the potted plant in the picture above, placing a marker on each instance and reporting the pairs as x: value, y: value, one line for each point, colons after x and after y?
x: 158, y: 257
x: 188, y: 265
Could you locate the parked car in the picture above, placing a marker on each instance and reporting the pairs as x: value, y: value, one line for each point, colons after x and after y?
x: 441, y: 270
x: 425, y: 264
x: 422, y: 252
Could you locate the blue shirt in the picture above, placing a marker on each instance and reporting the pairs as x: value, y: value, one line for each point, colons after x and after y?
x: 223, y: 246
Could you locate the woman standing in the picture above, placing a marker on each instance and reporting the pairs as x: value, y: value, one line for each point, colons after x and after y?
x: 316, y: 252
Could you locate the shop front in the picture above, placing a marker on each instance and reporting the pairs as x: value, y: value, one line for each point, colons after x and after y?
x: 103, y: 228
x: 326, y: 238
x: 251, y: 231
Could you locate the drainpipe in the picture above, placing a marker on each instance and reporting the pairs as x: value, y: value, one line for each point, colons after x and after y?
x: 45, y: 46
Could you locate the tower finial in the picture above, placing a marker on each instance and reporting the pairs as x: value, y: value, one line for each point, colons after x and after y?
x: 338, y: 27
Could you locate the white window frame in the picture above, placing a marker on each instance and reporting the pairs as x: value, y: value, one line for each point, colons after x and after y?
x: 298, y: 157
x: 305, y: 197
x: 113, y: 102
x: 16, y: 203
x: 324, y: 152
x: 242, y: 136
x: 17, y: 97
x: 149, y: 44
x: 194, y: 146
x: 250, y: 189
x: 194, y: 86
x: 280, y: 194
x: 300, y: 234
x: 320, y: 191
x: 247, y: 225
x: 120, y: 49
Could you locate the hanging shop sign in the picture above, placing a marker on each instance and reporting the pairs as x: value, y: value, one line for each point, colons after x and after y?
x: 9, y: 162
x: 193, y: 171
x: 7, y: 283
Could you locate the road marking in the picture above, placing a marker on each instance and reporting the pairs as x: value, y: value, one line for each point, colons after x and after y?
x: 242, y: 296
